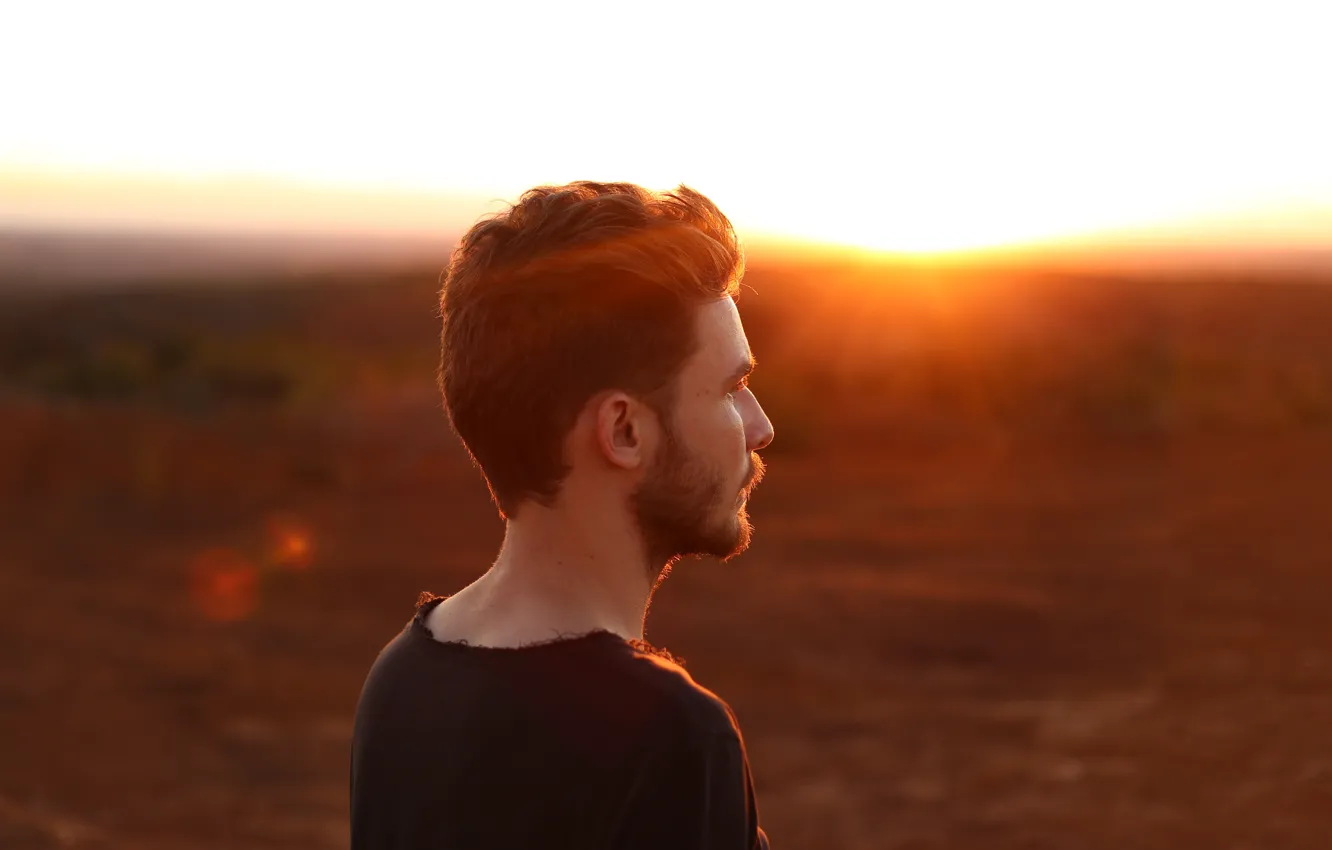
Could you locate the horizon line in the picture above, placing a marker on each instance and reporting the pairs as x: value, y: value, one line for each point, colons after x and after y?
x: 263, y: 207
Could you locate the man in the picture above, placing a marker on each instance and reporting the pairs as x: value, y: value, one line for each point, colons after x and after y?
x: 595, y: 367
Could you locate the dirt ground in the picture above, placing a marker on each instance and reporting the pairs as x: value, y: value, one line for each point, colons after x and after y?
x: 955, y: 645
x: 943, y: 642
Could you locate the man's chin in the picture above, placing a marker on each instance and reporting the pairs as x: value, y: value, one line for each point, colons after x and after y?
x: 740, y: 534
x: 728, y: 537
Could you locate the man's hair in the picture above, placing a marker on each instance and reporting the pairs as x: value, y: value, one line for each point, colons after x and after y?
x: 573, y: 290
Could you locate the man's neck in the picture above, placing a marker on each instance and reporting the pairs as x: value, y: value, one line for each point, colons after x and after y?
x: 556, y: 574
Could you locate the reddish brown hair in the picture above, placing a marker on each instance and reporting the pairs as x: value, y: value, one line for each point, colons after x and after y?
x: 573, y: 290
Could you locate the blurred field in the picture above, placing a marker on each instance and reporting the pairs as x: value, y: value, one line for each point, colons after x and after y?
x: 1041, y: 561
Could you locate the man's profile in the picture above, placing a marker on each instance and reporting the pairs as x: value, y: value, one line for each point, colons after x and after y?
x: 594, y: 365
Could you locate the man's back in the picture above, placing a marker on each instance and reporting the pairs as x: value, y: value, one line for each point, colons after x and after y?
x: 581, y: 742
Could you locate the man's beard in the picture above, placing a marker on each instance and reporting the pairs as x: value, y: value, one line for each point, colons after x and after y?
x: 679, y: 507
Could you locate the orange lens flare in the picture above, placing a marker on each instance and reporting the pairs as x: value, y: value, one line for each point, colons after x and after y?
x: 291, y: 545
x: 224, y: 585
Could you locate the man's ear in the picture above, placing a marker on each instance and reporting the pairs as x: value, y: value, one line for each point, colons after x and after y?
x: 625, y: 430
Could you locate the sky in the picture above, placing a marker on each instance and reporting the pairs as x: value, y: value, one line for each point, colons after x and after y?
x: 908, y: 127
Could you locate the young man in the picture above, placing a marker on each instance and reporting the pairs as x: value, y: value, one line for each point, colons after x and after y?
x: 594, y: 365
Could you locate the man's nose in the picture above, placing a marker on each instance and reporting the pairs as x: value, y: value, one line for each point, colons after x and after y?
x: 760, y: 433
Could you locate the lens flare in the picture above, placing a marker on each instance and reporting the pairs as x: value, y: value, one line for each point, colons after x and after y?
x: 224, y: 585
x: 291, y: 545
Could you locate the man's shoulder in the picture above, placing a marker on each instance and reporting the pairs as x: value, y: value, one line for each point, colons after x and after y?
x: 678, y: 704
x: 622, y: 689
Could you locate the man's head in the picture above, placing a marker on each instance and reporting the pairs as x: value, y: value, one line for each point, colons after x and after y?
x: 591, y: 352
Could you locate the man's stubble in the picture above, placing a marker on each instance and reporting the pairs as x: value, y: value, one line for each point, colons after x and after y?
x: 680, y: 510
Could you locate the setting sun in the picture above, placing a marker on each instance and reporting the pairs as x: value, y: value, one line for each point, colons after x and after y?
x: 931, y: 128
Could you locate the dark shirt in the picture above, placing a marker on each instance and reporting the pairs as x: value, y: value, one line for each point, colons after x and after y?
x: 581, y: 742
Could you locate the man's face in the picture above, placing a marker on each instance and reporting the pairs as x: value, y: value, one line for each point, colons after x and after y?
x: 692, y: 500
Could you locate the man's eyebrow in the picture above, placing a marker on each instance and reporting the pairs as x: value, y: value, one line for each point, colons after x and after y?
x: 741, y: 371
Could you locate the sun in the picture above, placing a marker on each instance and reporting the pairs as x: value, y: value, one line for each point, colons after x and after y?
x: 923, y: 233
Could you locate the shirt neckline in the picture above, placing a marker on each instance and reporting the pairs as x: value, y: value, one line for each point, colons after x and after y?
x: 419, y: 628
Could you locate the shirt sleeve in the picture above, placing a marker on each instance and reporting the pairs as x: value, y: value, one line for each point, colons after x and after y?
x: 693, y: 796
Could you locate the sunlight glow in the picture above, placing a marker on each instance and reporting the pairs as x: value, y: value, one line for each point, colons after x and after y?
x: 914, y: 127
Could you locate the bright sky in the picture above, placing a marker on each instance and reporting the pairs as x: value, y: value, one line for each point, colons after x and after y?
x: 911, y: 126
